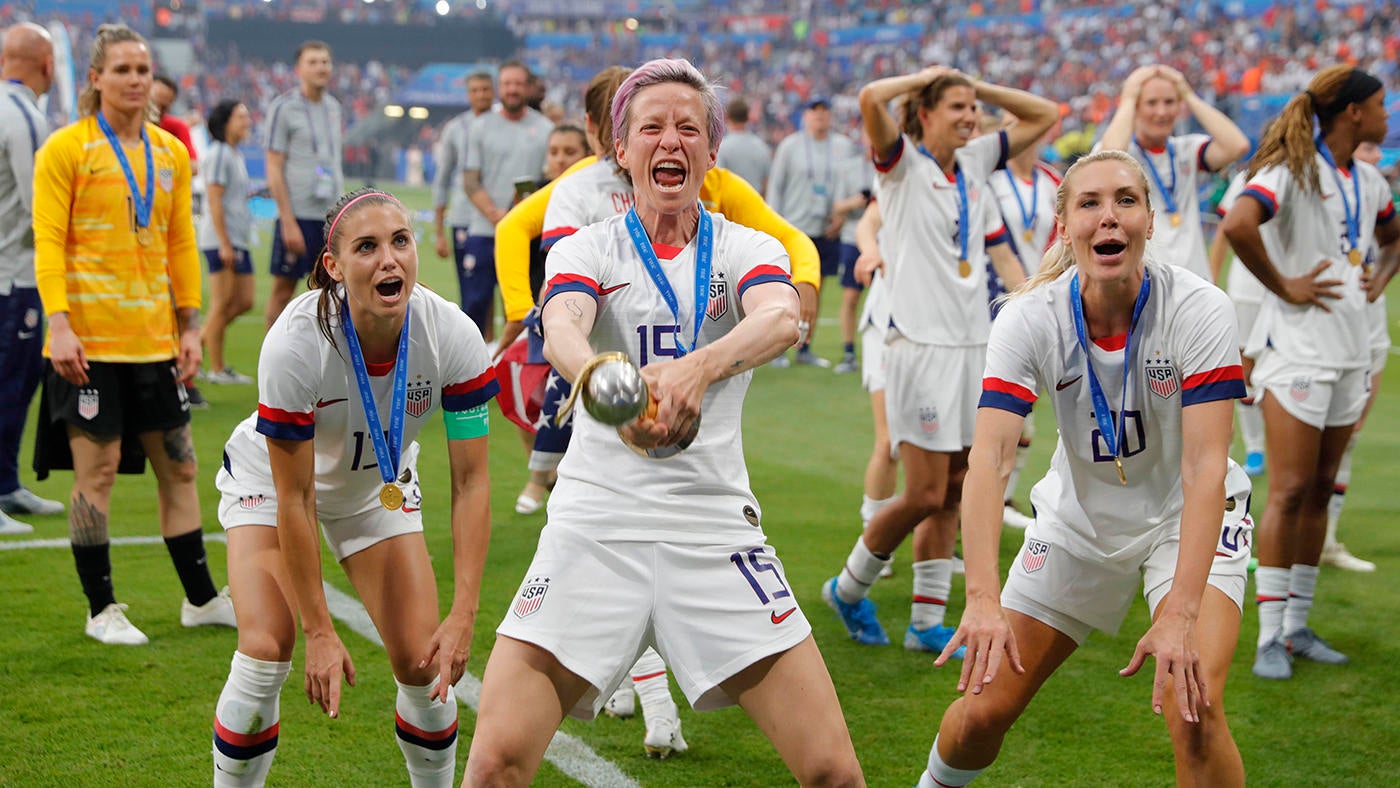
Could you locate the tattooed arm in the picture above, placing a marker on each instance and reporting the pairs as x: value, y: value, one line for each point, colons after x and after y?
x: 568, y: 320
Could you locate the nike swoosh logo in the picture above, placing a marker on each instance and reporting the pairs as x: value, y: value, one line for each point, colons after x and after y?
x: 324, y: 402
x: 605, y: 290
x: 409, y: 509
x: 778, y: 619
x: 1064, y: 384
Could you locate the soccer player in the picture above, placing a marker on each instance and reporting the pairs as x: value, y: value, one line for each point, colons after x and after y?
x: 451, y: 207
x: 1148, y: 109
x: 117, y: 269
x: 674, y: 558
x: 27, y: 67
x: 744, y: 153
x: 1137, y: 492
x: 938, y: 223
x: 226, y: 233
x: 304, y: 171
x: 348, y: 376
x: 1320, y: 210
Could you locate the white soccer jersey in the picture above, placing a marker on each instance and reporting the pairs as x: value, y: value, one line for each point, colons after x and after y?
x: 1185, y: 352
x: 1179, y: 166
x: 1307, y: 228
x: 930, y: 301
x: 700, y: 496
x: 1028, y: 209
x: 307, y: 391
x: 1242, y: 285
x: 590, y: 195
x: 1376, y: 312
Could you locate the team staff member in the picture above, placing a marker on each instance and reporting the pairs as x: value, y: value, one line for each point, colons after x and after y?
x: 1320, y: 209
x: 304, y: 173
x: 118, y: 271
x: 450, y: 204
x: 1138, y: 492
x: 367, y: 353
x: 226, y: 233
x: 27, y: 68
x: 1148, y: 109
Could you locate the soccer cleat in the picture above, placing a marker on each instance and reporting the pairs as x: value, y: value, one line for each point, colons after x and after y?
x: 12, y: 527
x: 111, y: 627
x: 1272, y: 661
x: 228, y: 377
x: 1011, y: 517
x: 1254, y: 463
x: 623, y: 703
x: 197, y: 400
x: 859, y: 618
x: 781, y: 362
x: 1306, y: 644
x: 846, y: 365
x: 217, y: 612
x: 810, y: 359
x: 887, y: 570
x: 664, y: 738
x: 22, y: 501
x: 934, y: 640
x: 1337, y: 554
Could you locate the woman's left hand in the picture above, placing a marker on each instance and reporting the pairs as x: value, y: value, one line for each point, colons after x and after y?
x: 450, y: 647
x: 1172, y: 640
x: 191, y: 354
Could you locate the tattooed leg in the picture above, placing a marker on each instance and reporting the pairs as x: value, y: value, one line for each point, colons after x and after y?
x: 172, y: 458
x: 95, y: 460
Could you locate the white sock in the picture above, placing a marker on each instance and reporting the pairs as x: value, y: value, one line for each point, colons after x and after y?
x: 1251, y: 425
x: 427, y: 734
x: 1339, y: 493
x: 1302, y: 584
x: 246, y: 721
x: 653, y: 690
x: 1271, y: 595
x: 941, y: 775
x: 870, y: 506
x: 933, y: 581
x: 544, y: 460
x: 861, y: 571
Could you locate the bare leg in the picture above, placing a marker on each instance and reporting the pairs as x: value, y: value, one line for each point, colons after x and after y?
x: 262, y: 599
x: 925, y: 488
x: 217, y: 320
x: 95, y: 460
x: 283, y: 288
x: 882, y: 471
x: 1205, y: 752
x: 172, y: 458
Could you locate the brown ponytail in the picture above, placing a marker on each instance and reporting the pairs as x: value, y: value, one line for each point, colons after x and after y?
x: 1289, y: 140
x: 328, y: 302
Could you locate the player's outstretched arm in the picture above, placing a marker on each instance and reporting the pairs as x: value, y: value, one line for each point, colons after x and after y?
x: 1034, y: 115
x: 293, y: 464
x: 567, y: 319
x: 867, y: 241
x: 984, y: 628
x: 1241, y: 228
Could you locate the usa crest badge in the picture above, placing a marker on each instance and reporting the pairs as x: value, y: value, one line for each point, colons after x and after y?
x: 1162, y: 379
x: 251, y: 502
x: 1300, y: 389
x: 165, y: 176
x: 418, y: 399
x: 87, y: 403
x: 718, y: 306
x: 531, y: 596
x: 928, y: 420
x: 1034, y: 557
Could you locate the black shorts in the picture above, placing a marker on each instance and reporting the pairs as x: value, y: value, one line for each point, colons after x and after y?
x: 120, y: 398
x: 292, y: 266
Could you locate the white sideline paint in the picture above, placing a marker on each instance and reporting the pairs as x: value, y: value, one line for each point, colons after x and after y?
x: 569, y: 753
x: 40, y: 544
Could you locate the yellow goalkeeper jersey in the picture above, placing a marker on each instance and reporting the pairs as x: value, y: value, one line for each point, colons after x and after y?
x: 87, y: 260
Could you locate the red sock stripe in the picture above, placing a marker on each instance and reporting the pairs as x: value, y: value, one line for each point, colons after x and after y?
x: 245, y: 739
x: 1339, y: 489
x: 1262, y: 599
x: 1023, y: 443
x: 929, y: 600
x: 936, y: 780
x: 649, y: 676
x: 445, y: 733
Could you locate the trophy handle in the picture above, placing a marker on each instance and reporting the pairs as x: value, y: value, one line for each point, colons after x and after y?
x: 581, y: 382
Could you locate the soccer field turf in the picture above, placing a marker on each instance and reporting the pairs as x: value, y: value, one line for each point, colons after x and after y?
x: 75, y: 712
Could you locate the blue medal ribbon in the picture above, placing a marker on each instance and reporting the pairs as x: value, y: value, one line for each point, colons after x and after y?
x: 386, y: 450
x: 1352, y: 207
x: 704, y: 252
x: 1110, y: 431
x: 1168, y: 191
x: 962, y: 206
x: 1027, y: 217
x: 141, y: 205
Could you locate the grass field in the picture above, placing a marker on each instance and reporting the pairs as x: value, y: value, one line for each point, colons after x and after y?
x: 74, y: 712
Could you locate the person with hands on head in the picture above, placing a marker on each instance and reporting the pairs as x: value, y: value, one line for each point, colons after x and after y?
x: 117, y: 269
x: 673, y: 556
x: 1148, y: 109
x: 1141, y: 491
x: 348, y: 376
x: 1320, y: 210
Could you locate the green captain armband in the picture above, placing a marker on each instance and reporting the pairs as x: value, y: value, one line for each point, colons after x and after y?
x: 467, y: 424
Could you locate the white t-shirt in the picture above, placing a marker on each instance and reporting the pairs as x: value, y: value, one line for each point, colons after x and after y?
x: 1184, y: 353
x: 307, y: 391
x: 1179, y: 165
x: 1306, y: 228
x: 700, y: 496
x: 590, y: 195
x: 1028, y: 206
x: 930, y: 301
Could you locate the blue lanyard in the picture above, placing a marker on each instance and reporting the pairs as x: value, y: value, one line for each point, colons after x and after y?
x: 1168, y: 191
x: 1027, y: 217
x: 24, y: 113
x: 1351, y: 208
x: 704, y: 250
x: 386, y: 451
x: 141, y: 204
x: 811, y: 171
x: 1102, y: 414
x: 962, y: 203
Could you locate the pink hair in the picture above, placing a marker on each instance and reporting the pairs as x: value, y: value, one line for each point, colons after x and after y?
x: 661, y: 71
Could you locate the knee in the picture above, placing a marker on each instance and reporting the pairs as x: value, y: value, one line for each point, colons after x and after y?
x: 183, y: 472
x: 830, y: 770
x: 927, y: 499
x: 265, y: 644
x: 488, y: 768
x: 982, y: 720
x: 1198, y: 741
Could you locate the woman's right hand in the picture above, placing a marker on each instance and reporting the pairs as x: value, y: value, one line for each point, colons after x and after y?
x: 227, y: 256
x: 441, y: 246
x: 1308, y: 290
x: 866, y: 266
x: 66, y: 352
x: 326, y: 660
x: 987, y: 634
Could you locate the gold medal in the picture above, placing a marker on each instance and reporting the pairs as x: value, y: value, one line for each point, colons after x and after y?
x: 1122, y: 479
x: 964, y: 269
x: 390, y: 497
x: 1175, y: 218
x: 1354, y: 256
x: 1029, y: 235
x: 144, y: 236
